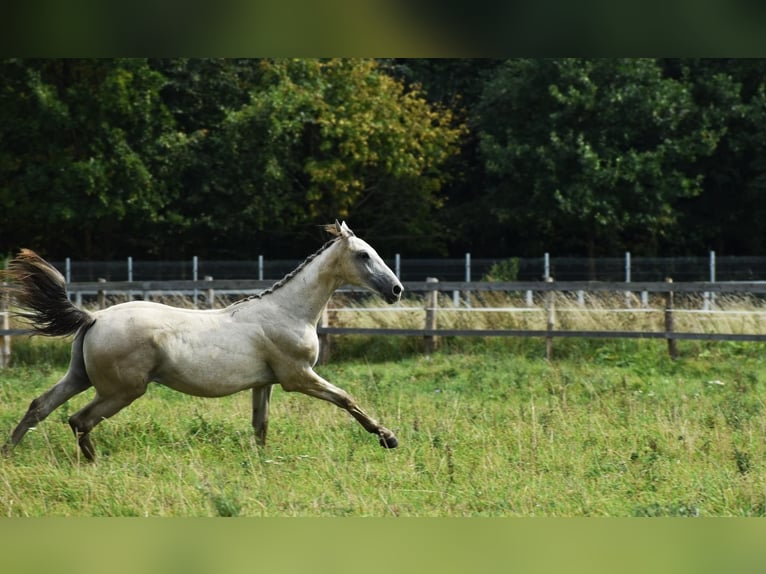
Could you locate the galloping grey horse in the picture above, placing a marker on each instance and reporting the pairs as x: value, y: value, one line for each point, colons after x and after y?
x: 253, y: 344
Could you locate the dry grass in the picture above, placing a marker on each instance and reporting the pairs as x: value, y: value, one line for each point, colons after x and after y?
x: 586, y: 312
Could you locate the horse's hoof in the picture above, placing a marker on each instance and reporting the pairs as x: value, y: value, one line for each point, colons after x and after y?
x: 388, y: 441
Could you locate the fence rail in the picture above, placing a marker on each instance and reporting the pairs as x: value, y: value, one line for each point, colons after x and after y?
x: 542, y: 333
x: 208, y: 289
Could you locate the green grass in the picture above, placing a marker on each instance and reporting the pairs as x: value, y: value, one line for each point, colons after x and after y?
x: 486, y: 428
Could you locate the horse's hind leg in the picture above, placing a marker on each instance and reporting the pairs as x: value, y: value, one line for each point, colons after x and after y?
x: 261, y: 397
x: 75, y: 381
x: 100, y: 408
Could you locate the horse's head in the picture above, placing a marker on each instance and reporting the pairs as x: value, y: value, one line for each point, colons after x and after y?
x: 361, y: 265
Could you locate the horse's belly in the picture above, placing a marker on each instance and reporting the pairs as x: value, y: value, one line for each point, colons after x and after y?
x: 210, y: 366
x: 213, y: 377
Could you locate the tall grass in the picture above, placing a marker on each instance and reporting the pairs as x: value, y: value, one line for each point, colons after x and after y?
x: 595, y: 311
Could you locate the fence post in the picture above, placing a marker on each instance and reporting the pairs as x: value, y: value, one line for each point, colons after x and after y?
x: 68, y: 278
x: 628, y: 298
x: 549, y: 320
x: 195, y: 274
x: 101, y: 295
x: 432, y: 303
x: 708, y: 298
x: 5, y: 311
x: 210, y: 293
x: 324, y: 338
x: 130, y: 276
x: 669, y: 327
x: 468, y: 279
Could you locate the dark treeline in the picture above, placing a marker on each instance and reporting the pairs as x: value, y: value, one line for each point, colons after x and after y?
x: 227, y: 158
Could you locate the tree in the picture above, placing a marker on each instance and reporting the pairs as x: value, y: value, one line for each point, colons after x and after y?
x: 81, y: 154
x: 214, y: 157
x: 236, y: 157
x: 319, y: 140
x: 458, y: 84
x: 590, y: 156
x: 729, y: 215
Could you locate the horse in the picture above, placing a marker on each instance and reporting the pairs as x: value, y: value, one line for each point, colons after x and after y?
x: 265, y: 339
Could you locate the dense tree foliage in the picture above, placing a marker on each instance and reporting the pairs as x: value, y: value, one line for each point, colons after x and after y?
x: 231, y: 158
x: 82, y: 153
x: 601, y: 154
x: 318, y: 141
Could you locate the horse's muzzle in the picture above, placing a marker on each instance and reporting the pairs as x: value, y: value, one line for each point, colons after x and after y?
x: 394, y: 294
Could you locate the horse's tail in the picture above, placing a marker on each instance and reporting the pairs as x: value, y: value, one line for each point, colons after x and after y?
x: 41, y: 289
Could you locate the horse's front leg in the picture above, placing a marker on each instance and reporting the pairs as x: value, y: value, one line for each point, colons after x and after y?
x: 310, y: 383
x: 261, y: 397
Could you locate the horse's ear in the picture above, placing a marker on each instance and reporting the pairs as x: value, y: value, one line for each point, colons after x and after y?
x: 339, y: 229
x: 332, y: 229
x: 344, y: 229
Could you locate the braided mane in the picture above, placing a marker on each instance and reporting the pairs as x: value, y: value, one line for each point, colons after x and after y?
x: 291, y: 274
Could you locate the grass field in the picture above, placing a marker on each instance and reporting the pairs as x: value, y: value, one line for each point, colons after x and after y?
x: 485, y: 428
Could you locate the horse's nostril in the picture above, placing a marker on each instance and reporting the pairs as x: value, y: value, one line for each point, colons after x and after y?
x: 397, y: 290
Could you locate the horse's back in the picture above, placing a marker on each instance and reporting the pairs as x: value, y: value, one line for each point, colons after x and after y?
x: 137, y: 326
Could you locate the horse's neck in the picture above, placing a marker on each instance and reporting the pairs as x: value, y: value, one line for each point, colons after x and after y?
x: 307, y: 293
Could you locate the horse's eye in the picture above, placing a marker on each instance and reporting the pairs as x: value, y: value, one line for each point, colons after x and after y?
x: 363, y: 255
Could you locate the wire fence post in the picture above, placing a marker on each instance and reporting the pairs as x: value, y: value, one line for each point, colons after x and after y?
x: 5, y: 311
x: 468, y: 279
x: 708, y: 298
x: 628, y: 297
x: 432, y: 302
x: 101, y: 294
x: 68, y: 278
x: 195, y: 272
x: 549, y: 320
x: 130, y: 276
x: 456, y: 293
x: 546, y: 265
x: 210, y: 293
x: 669, y: 323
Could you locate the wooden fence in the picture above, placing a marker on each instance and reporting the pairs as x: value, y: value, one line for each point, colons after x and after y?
x: 204, y: 293
x: 430, y: 332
